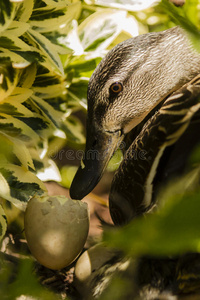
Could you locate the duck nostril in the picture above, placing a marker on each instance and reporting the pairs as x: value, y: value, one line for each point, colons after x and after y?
x: 120, y: 131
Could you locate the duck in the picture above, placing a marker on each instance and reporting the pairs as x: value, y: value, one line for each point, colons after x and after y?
x: 144, y: 94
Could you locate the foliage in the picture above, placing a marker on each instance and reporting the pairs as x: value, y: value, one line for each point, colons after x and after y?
x: 187, y: 17
x: 24, y: 283
x: 46, y: 59
x: 173, y: 229
x: 32, y: 91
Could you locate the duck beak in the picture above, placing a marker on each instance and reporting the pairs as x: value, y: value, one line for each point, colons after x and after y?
x: 100, y: 146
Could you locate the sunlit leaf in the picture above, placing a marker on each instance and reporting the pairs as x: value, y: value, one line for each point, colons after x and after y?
x: 12, y: 42
x: 131, y: 5
x: 25, y: 129
x: 22, y: 184
x: 7, y: 12
x: 27, y: 77
x: 13, y: 150
x: 100, y: 29
x: 52, y: 115
x: 51, y: 91
x: 24, y: 10
x: 17, y: 28
x: 55, y: 16
x: 8, y: 78
x: 47, y: 47
x: 83, y: 66
x: 180, y: 16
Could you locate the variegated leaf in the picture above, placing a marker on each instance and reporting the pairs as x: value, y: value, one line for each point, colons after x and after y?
x: 51, y: 91
x: 47, y: 48
x: 22, y: 128
x: 18, y: 59
x: 50, y: 113
x: 27, y: 77
x: 129, y: 5
x: 7, y: 9
x: 19, y: 185
x: 11, y: 42
x: 3, y: 222
x: 17, y: 28
x: 56, y: 16
x: 74, y: 130
x: 19, y: 95
x: 24, y: 10
x: 8, y: 78
x: 100, y: 29
x: 15, y: 151
x: 77, y: 94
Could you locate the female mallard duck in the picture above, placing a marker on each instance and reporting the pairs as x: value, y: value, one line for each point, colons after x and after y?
x: 141, y: 89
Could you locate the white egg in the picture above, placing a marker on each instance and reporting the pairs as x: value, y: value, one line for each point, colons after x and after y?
x: 56, y: 229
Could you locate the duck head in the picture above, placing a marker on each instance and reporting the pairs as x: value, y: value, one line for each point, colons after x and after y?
x: 132, y: 79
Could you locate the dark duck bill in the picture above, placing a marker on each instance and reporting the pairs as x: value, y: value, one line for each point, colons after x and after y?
x: 100, y: 147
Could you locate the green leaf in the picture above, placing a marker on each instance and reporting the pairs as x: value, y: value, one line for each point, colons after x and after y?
x: 3, y: 223
x: 21, y: 59
x: 47, y: 48
x: 9, y: 78
x: 191, y: 11
x: 19, y: 185
x: 100, y: 29
x: 6, y: 14
x: 37, y: 124
x: 45, y: 78
x: 73, y: 129
x: 130, y: 5
x: 24, y: 284
x: 67, y: 174
x: 19, y: 95
x: 17, y: 28
x: 55, y: 17
x: 24, y: 10
x: 24, y: 129
x: 13, y: 150
x: 172, y: 230
x: 50, y: 91
x: 83, y: 66
x: 50, y: 113
x: 185, y: 19
x: 27, y: 76
x: 77, y: 94
x: 12, y: 42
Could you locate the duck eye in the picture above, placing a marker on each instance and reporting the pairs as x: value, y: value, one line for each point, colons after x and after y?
x: 116, y: 87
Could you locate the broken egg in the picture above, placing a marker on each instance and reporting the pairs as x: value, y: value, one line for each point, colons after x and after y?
x: 56, y: 229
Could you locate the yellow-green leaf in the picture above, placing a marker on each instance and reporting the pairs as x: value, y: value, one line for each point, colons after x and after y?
x: 25, y: 10
x: 19, y: 185
x: 47, y: 48
x: 3, y: 223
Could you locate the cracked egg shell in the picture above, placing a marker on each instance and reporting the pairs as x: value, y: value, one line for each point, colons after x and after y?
x: 56, y: 229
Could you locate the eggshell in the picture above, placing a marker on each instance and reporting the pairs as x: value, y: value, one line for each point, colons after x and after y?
x: 92, y: 260
x: 56, y: 229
